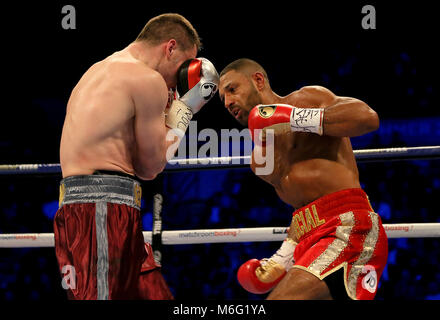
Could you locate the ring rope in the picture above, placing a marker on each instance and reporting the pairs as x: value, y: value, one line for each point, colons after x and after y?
x: 363, y: 155
x: 229, y: 235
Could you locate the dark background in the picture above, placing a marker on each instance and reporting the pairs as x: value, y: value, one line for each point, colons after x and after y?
x: 393, y: 68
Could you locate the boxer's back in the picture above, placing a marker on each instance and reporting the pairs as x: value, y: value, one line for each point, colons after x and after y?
x: 98, y: 129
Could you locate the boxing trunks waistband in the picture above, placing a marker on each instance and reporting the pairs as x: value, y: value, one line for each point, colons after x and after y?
x: 102, y: 186
x: 307, y: 219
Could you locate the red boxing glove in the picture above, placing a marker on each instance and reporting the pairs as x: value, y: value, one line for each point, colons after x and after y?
x: 263, y: 117
x: 257, y: 278
x: 261, y: 276
x: 284, y: 118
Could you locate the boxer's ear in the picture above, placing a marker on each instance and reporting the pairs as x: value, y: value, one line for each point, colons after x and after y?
x: 259, y: 80
x: 171, y: 46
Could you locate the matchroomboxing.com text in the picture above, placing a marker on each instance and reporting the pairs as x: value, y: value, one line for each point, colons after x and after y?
x: 195, y: 234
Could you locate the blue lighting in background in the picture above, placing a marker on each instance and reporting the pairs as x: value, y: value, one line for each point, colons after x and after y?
x: 147, y: 221
x: 215, y: 215
x: 384, y: 210
x: 414, y: 132
x: 433, y: 297
x: 50, y: 208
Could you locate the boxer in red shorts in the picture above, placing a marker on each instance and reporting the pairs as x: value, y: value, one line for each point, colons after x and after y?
x: 336, y: 247
x: 123, y: 124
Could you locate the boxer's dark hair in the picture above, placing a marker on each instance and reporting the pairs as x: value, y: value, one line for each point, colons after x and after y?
x: 170, y: 26
x: 246, y: 66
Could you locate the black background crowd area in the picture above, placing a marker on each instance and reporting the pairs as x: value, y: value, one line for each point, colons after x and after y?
x: 393, y: 68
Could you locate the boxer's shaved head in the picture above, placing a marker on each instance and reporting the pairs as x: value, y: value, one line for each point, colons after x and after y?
x: 245, y: 66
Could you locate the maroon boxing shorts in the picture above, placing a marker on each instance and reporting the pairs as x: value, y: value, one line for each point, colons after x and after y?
x: 152, y: 285
x: 340, y: 231
x: 99, y: 243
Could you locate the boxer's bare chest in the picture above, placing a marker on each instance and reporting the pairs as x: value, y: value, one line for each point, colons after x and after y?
x: 290, y: 149
x: 306, y: 165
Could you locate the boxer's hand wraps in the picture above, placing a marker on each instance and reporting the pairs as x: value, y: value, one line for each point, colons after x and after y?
x: 285, y: 118
x: 261, y: 276
x: 197, y: 83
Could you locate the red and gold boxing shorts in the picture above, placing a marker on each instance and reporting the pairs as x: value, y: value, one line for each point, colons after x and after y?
x: 341, y: 230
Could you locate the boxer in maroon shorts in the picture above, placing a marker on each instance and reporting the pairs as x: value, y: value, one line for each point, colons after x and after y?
x: 152, y: 285
x: 336, y: 247
x: 91, y: 207
x: 122, y: 124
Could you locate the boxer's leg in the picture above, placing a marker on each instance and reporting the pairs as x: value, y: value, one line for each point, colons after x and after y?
x: 75, y: 248
x: 125, y: 245
x: 300, y: 285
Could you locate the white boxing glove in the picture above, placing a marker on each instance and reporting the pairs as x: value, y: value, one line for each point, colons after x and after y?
x: 197, y: 83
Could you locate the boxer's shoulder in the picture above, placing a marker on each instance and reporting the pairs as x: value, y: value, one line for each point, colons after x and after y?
x: 310, y: 97
x: 127, y: 68
x: 136, y: 76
